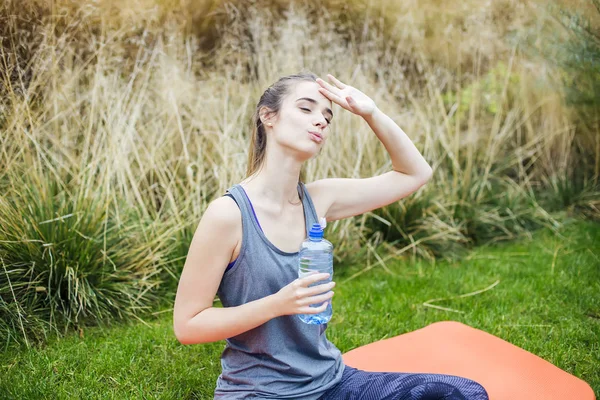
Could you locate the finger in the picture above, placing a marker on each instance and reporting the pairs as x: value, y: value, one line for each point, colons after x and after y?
x: 324, y: 306
x: 321, y: 308
x: 317, y: 299
x: 315, y: 277
x: 336, y: 81
x: 350, y: 101
x: 313, y: 310
x: 332, y: 96
x: 306, y: 277
x: 327, y: 85
x: 320, y: 288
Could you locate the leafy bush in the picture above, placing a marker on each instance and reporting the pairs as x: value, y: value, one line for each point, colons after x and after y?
x: 69, y: 259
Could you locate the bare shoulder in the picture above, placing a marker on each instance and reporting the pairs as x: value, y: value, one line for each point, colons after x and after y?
x: 219, y: 230
x: 224, y: 218
x: 224, y: 209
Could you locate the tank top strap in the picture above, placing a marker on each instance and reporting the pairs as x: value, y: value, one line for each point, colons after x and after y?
x: 236, y: 193
x: 247, y: 209
x: 309, y: 207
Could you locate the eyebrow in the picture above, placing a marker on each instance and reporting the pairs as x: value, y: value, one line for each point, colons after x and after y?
x: 328, y: 110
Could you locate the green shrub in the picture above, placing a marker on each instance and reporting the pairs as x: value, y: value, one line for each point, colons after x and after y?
x: 70, y: 259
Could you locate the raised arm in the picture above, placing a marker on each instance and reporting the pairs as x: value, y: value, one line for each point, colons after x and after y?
x: 347, y: 197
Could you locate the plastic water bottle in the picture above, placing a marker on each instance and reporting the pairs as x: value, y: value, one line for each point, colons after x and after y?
x: 316, y: 255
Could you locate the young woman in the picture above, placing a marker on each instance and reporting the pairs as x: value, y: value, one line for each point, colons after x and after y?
x: 245, y: 249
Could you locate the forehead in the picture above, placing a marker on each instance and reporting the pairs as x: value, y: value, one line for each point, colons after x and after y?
x: 308, y: 89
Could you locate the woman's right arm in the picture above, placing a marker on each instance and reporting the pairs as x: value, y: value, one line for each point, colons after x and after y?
x: 195, y: 320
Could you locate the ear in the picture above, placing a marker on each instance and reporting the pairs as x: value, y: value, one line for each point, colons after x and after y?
x: 266, y: 115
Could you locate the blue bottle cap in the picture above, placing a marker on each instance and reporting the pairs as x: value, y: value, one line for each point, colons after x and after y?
x: 316, y: 232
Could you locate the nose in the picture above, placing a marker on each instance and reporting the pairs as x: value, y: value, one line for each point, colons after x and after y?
x: 321, y: 122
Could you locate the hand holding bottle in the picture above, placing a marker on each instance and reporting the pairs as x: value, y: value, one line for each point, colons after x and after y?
x: 297, y: 296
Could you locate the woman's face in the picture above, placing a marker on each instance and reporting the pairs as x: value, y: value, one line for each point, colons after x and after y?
x: 303, y: 119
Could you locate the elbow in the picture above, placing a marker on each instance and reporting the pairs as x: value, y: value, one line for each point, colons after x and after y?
x: 186, y: 336
x: 429, y: 172
x: 182, y: 332
x: 179, y: 332
x: 426, y: 175
x: 186, y: 339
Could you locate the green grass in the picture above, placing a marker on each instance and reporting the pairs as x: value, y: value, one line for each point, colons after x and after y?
x: 547, y: 301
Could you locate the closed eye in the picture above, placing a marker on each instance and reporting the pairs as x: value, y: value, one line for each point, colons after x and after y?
x: 308, y: 109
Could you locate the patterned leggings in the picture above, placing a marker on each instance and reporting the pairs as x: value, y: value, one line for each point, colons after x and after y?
x: 357, y: 384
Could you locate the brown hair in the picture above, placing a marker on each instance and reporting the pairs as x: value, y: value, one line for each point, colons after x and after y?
x: 272, y: 98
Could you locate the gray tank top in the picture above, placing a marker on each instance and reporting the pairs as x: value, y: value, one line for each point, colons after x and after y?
x: 283, y: 358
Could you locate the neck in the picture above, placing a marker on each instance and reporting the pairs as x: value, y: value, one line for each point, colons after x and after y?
x: 275, y: 184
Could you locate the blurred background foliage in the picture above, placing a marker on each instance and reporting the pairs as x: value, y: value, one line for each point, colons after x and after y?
x: 121, y: 121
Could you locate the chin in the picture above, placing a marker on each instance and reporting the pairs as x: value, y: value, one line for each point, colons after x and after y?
x: 308, y: 154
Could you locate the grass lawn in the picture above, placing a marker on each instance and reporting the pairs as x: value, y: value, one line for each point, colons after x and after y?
x: 547, y: 301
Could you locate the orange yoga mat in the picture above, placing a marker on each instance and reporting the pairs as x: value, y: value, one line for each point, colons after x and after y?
x: 506, y: 371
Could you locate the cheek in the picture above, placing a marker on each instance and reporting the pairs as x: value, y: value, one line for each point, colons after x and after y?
x: 295, y: 118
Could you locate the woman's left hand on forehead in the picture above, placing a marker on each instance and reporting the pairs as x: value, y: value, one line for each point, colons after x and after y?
x: 347, y: 97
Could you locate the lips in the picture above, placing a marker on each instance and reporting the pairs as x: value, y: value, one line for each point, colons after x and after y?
x: 316, y: 136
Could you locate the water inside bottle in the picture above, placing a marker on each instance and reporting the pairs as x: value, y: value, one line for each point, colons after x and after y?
x: 317, y: 261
